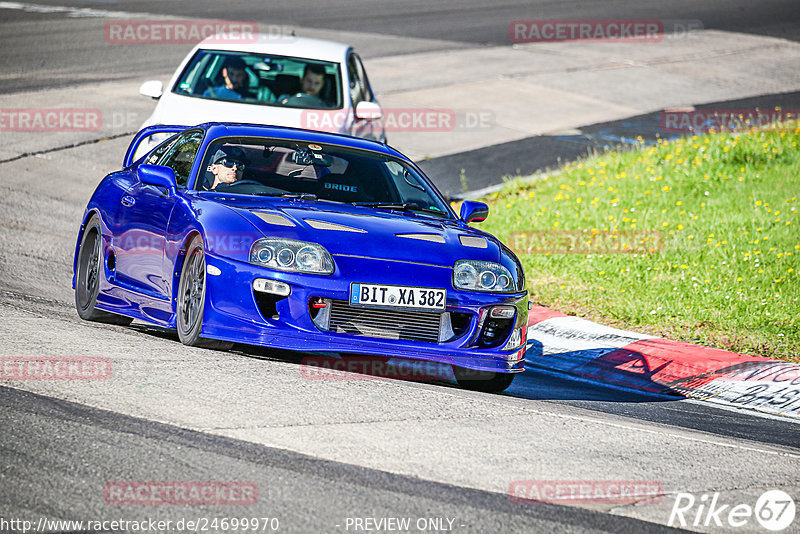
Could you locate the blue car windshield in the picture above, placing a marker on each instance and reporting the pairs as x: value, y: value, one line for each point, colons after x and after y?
x: 280, y: 168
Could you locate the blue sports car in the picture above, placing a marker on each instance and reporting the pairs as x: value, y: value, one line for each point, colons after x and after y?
x: 300, y: 240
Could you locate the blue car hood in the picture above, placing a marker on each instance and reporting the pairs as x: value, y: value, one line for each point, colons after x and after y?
x: 344, y: 229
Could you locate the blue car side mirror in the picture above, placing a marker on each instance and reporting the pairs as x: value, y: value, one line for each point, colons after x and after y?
x: 472, y: 211
x: 157, y: 175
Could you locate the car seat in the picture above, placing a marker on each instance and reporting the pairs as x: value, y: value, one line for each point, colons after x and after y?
x: 328, y: 93
x: 286, y: 84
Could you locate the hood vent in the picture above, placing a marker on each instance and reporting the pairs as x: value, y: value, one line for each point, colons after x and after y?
x: 433, y: 238
x: 324, y: 225
x: 472, y: 241
x: 273, y: 218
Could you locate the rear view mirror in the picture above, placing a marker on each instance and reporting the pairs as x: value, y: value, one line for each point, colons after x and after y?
x: 301, y: 156
x: 304, y: 157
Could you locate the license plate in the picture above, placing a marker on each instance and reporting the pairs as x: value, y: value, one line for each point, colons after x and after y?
x: 417, y: 298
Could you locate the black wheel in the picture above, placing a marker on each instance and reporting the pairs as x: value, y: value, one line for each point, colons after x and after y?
x: 87, y: 281
x: 192, y: 297
x: 486, y: 381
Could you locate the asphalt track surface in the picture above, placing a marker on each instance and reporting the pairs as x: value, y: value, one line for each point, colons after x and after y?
x: 56, y: 455
x: 72, y: 52
x: 306, y: 494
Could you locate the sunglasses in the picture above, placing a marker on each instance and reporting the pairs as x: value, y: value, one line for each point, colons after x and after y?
x: 230, y: 163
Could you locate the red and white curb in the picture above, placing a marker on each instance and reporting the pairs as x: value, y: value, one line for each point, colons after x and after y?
x: 588, y: 350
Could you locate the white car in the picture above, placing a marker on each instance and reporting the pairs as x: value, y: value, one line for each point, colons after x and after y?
x: 287, y: 81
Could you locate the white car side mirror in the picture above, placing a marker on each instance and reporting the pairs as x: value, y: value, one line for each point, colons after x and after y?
x: 368, y: 111
x: 152, y: 88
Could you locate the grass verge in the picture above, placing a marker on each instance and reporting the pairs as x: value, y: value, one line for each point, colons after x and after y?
x: 696, y: 239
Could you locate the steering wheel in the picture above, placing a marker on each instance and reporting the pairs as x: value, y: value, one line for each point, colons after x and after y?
x: 243, y: 182
x: 228, y: 187
x: 305, y: 100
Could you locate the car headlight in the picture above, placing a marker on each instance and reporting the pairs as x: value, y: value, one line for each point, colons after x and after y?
x: 482, y: 276
x: 291, y: 255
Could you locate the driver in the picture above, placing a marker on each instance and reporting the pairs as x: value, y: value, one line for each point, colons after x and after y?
x: 227, y: 166
x: 235, y: 80
x: 311, y: 84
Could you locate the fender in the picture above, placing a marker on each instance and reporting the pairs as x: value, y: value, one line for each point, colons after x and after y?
x: 107, y: 192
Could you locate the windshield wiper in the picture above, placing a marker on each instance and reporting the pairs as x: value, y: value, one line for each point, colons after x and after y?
x: 301, y: 196
x: 407, y: 206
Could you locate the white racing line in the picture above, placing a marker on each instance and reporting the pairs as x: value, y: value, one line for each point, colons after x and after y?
x: 737, y: 409
x: 75, y: 12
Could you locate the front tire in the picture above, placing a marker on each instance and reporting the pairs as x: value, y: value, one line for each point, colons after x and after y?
x: 192, y: 297
x: 485, y: 381
x: 87, y: 279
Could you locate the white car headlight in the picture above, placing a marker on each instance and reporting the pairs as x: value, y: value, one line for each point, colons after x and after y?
x: 291, y: 255
x: 482, y: 276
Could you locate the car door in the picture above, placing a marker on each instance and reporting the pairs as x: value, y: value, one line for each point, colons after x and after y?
x: 360, y: 91
x: 146, y: 210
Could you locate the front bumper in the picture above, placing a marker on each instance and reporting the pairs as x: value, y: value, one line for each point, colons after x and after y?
x: 232, y: 313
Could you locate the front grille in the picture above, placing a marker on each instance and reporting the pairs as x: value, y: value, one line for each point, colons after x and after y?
x: 384, y: 324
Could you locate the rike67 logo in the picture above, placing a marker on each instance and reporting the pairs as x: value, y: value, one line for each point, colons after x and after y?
x: 774, y: 510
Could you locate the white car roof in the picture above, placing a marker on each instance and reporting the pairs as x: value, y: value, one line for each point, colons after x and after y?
x: 260, y: 43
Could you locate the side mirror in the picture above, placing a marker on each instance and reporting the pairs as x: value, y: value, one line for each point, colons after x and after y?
x: 368, y: 111
x: 472, y: 211
x: 152, y: 88
x: 157, y: 175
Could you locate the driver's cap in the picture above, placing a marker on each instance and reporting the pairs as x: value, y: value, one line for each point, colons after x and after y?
x: 229, y: 152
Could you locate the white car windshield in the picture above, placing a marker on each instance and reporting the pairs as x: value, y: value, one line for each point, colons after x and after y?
x: 262, y: 80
